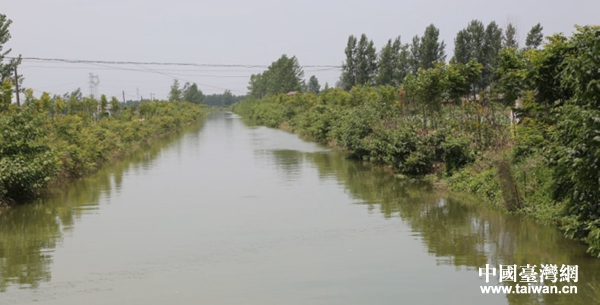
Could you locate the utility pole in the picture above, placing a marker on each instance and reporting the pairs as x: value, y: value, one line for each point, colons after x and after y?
x: 17, y: 86
x: 94, y: 81
x: 123, y: 97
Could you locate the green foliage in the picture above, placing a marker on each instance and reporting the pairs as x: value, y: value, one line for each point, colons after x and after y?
x: 510, y: 75
x: 27, y: 161
x: 192, y: 94
x: 393, y: 63
x: 431, y: 50
x: 313, y: 85
x: 175, y: 95
x: 6, y: 94
x: 224, y: 99
x: 575, y: 155
x: 360, y: 67
x: 534, y: 37
x: 36, y: 148
x: 7, y: 69
x: 510, y: 37
x: 456, y: 154
x: 550, y: 165
x: 114, y: 105
x: 482, y: 44
x: 348, y: 77
x: 372, y: 124
x: 282, y: 76
x: 556, y: 151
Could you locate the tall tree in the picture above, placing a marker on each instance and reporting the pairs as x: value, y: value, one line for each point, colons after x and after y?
x: 386, y: 65
x: 313, y: 85
x: 510, y: 37
x: 431, y: 49
x: 175, y: 93
x: 192, y: 94
x: 114, y: 105
x: 7, y: 69
x: 414, y: 58
x: 482, y: 44
x: 227, y: 99
x: 258, y: 85
x: 492, y: 45
x: 366, y: 61
x: 393, y: 63
x: 103, y: 104
x: 348, y: 78
x: 469, y: 43
x: 534, y: 37
x: 282, y: 76
x: 509, y: 75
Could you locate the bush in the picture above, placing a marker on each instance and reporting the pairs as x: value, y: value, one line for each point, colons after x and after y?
x: 456, y: 154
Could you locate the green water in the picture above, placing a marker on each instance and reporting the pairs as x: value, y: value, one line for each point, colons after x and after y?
x: 232, y: 214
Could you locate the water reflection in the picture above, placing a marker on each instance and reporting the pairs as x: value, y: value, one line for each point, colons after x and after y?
x: 233, y: 225
x: 461, y: 233
x: 30, y: 233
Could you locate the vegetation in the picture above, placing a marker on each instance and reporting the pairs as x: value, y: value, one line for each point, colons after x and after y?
x: 520, y: 128
x: 225, y: 99
x: 282, y: 76
x: 52, y: 139
x: 49, y: 140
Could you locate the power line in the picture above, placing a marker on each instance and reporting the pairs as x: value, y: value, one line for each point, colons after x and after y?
x: 110, y: 65
x: 83, y: 61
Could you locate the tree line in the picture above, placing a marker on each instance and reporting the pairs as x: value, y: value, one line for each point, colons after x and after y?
x: 53, y: 138
x: 516, y: 126
x: 364, y: 66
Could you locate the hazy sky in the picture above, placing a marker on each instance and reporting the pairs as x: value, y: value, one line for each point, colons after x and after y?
x: 238, y: 32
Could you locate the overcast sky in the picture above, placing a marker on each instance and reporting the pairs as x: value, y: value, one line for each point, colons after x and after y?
x: 238, y: 32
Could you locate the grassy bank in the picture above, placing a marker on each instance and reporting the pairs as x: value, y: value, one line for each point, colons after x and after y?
x: 50, y: 141
x: 521, y: 132
x: 469, y: 147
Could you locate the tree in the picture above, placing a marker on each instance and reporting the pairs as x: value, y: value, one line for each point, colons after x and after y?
x: 469, y: 43
x: 282, y: 76
x: 258, y: 85
x: 461, y: 78
x: 227, y: 98
x: 348, y: 78
x: 386, y: 65
x: 426, y: 89
x: 7, y: 70
x: 492, y: 44
x: 175, y: 93
x: 366, y: 61
x: 510, y: 74
x: 103, y: 104
x: 6, y: 93
x: 534, y: 37
x: 575, y: 148
x: 510, y: 37
x: 313, y: 85
x: 114, y: 105
x: 482, y: 44
x: 393, y: 63
x: 431, y: 49
x: 414, y: 57
x: 192, y: 94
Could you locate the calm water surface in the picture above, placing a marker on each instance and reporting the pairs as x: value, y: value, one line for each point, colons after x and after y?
x: 232, y: 214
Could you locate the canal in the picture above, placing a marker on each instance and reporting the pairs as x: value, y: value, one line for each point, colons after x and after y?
x: 229, y: 213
